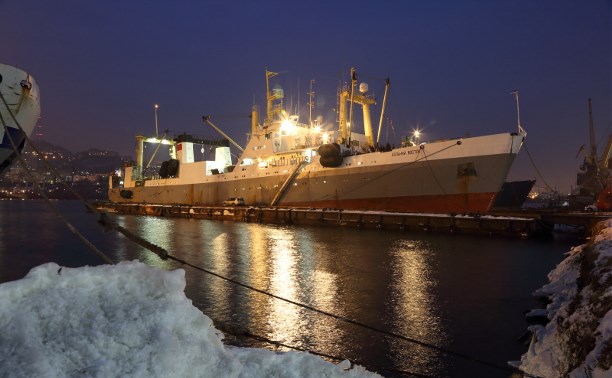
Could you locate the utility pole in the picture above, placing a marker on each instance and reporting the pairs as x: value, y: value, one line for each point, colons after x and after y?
x: 155, y: 107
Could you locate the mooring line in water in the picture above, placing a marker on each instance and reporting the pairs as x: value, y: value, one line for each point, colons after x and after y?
x: 342, y: 318
x: 164, y: 255
x: 69, y: 225
x: 353, y: 362
x: 44, y: 161
x: 103, y: 217
x: 243, y: 332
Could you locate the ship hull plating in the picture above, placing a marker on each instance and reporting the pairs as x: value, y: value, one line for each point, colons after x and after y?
x: 19, y: 114
x: 457, y: 176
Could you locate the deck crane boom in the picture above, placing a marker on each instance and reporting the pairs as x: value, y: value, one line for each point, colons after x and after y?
x: 206, y: 119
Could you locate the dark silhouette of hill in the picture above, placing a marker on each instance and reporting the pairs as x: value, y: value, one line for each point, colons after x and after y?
x: 91, y: 161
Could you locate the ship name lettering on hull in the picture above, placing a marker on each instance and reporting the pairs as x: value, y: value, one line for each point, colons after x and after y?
x: 399, y: 153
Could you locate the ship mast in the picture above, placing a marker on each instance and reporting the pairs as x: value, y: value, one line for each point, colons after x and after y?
x: 310, y: 102
x: 518, y: 111
x: 271, y: 96
x: 382, y: 111
x: 350, y: 122
x: 360, y: 98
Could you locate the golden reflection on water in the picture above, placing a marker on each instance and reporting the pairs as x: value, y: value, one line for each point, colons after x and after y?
x: 413, y: 304
x: 299, y: 266
x: 282, y: 263
x: 218, y: 261
x: 284, y: 318
x: 258, y: 267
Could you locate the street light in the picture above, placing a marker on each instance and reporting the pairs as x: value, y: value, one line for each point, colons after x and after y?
x: 156, y: 131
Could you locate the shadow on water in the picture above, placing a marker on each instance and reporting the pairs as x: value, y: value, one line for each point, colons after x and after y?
x: 462, y: 293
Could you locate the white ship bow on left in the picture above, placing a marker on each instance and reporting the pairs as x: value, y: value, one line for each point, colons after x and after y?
x: 19, y: 111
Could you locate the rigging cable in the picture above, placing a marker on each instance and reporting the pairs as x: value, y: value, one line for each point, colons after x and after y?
x: 42, y: 192
x: 404, y: 165
x: 166, y: 255
x: 536, y: 168
x: 44, y: 161
x: 432, y: 171
x: 236, y: 331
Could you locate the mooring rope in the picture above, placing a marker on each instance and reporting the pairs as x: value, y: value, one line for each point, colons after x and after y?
x: 44, y: 161
x: 536, y: 168
x: 243, y: 332
x: 433, y: 173
x: 152, y: 247
x: 404, y: 165
x: 69, y: 225
x: 165, y: 255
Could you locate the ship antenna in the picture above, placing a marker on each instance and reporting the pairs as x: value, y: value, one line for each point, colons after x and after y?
x: 310, y: 102
x: 350, y: 123
x: 518, y: 111
x: 270, y: 97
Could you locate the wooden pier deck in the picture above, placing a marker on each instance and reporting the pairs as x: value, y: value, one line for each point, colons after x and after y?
x: 546, y: 218
x: 527, y: 223
x: 516, y: 224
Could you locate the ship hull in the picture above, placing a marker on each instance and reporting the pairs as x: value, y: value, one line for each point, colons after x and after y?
x: 455, y: 176
x: 513, y: 194
x: 20, y: 113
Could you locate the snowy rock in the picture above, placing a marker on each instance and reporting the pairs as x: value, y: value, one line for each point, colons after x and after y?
x: 577, y: 341
x: 130, y: 320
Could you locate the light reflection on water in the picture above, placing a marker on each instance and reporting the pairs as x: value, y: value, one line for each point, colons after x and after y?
x: 413, y: 305
x: 448, y: 291
x: 286, y: 321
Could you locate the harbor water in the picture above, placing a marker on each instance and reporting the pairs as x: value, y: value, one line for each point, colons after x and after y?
x: 458, y: 301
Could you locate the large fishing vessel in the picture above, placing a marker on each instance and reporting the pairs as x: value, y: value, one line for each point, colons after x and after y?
x: 293, y: 164
x: 19, y: 111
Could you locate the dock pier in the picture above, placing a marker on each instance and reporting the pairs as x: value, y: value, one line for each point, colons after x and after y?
x: 516, y: 224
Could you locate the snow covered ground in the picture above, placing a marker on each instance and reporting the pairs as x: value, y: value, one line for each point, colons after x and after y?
x: 577, y: 340
x: 130, y: 320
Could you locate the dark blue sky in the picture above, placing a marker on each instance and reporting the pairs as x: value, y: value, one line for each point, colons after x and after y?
x: 101, y: 66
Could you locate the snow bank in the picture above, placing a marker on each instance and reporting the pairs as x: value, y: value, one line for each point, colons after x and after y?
x: 126, y: 320
x: 577, y: 341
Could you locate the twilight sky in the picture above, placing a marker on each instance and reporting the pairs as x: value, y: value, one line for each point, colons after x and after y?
x: 102, y: 65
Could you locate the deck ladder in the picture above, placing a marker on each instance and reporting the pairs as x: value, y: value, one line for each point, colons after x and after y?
x: 285, y: 185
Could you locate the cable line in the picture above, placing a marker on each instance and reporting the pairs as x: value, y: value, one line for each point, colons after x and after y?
x: 238, y: 332
x: 69, y: 225
x: 404, y: 165
x: 165, y: 255
x: 536, y: 168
